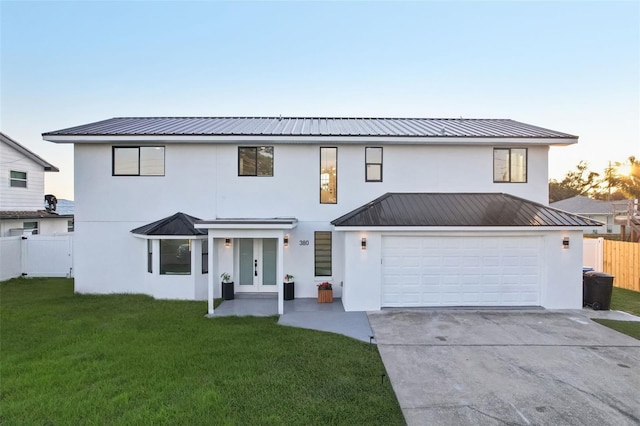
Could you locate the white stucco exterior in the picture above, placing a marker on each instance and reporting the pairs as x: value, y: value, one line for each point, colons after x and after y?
x: 201, y: 180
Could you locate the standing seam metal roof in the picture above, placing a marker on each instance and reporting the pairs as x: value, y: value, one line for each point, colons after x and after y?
x: 458, y: 209
x: 310, y: 126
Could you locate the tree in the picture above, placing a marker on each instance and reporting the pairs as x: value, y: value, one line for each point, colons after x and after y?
x: 627, y: 179
x: 619, y: 181
x: 580, y: 181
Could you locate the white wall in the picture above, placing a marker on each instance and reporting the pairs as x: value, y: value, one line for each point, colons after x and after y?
x: 561, y: 276
x: 562, y: 283
x: 202, y: 180
x: 12, y: 198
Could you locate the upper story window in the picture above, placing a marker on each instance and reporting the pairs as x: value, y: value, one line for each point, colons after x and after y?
x: 138, y: 161
x: 509, y: 164
x: 255, y: 161
x: 373, y: 164
x: 17, y: 179
x: 328, y: 175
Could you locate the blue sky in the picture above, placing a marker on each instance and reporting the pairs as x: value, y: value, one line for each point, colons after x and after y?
x: 570, y: 66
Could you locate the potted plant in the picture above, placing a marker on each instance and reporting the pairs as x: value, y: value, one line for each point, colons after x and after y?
x: 227, y: 286
x: 325, y: 292
x: 289, y: 289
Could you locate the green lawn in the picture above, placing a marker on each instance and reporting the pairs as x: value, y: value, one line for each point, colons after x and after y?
x: 627, y: 301
x: 130, y: 359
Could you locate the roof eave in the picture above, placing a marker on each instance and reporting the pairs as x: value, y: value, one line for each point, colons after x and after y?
x: 313, y: 139
x: 48, y: 167
x: 432, y: 229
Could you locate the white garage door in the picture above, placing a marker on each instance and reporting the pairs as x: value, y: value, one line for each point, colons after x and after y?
x: 461, y: 271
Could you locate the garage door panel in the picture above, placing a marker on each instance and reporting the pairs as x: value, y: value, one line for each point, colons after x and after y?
x: 455, y: 271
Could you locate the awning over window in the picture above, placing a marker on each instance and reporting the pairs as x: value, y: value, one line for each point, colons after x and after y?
x: 178, y: 224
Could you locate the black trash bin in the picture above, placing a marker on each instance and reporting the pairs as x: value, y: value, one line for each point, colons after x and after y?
x: 597, y: 290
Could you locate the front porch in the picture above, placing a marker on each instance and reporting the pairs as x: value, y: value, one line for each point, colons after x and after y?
x: 300, y: 312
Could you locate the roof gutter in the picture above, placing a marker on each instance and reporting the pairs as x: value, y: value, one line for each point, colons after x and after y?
x: 315, y: 139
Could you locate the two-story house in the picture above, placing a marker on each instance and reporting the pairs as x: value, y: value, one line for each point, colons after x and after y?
x: 22, y: 196
x: 394, y: 212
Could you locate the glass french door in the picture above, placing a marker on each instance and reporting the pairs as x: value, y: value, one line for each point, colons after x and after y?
x: 257, y: 265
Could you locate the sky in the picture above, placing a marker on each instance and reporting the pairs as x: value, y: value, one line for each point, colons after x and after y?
x: 571, y: 66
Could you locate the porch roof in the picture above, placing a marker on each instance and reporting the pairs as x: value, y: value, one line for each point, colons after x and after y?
x: 177, y: 224
x: 248, y: 223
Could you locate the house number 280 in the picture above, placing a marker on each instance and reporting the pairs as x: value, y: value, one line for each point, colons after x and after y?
x: 303, y: 242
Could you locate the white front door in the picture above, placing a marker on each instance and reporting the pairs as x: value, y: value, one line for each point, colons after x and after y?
x: 257, y: 265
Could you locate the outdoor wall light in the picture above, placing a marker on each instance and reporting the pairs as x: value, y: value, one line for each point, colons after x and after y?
x: 286, y: 241
x: 363, y: 244
x: 565, y: 243
x: 227, y: 242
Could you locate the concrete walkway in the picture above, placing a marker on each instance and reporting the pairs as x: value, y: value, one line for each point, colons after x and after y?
x: 302, y: 313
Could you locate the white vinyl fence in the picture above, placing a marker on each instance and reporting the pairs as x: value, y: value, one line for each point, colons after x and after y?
x: 592, y: 253
x: 36, y: 256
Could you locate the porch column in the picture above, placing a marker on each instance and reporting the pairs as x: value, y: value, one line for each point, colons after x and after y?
x: 280, y: 274
x: 212, y: 273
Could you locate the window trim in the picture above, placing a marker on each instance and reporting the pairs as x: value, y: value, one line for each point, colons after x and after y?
x: 320, y: 174
x: 367, y: 163
x: 315, y: 253
x: 113, y: 159
x: 12, y: 179
x: 256, y: 148
x: 510, y: 179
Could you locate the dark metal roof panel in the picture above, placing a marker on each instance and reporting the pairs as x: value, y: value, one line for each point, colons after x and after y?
x: 310, y: 126
x: 458, y: 209
x: 178, y: 224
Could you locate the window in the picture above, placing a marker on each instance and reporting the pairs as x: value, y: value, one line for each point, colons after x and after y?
x: 510, y: 165
x: 138, y: 161
x: 17, y: 179
x: 373, y: 164
x: 70, y: 225
x: 33, y: 226
x: 328, y: 175
x: 175, y: 257
x: 322, y: 252
x: 149, y: 256
x: 205, y: 256
x: 255, y: 161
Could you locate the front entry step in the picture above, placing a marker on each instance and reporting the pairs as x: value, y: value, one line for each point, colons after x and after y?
x: 256, y: 295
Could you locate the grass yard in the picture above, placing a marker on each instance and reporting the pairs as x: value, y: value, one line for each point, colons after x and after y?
x: 627, y: 301
x: 130, y: 359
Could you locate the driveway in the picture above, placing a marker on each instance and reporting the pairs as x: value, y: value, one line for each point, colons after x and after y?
x: 454, y: 367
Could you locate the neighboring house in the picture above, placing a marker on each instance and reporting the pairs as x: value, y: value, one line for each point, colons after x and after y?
x: 22, y: 197
x: 602, y: 211
x: 394, y: 212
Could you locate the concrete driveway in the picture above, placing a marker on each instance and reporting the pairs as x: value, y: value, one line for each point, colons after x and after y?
x: 455, y: 367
